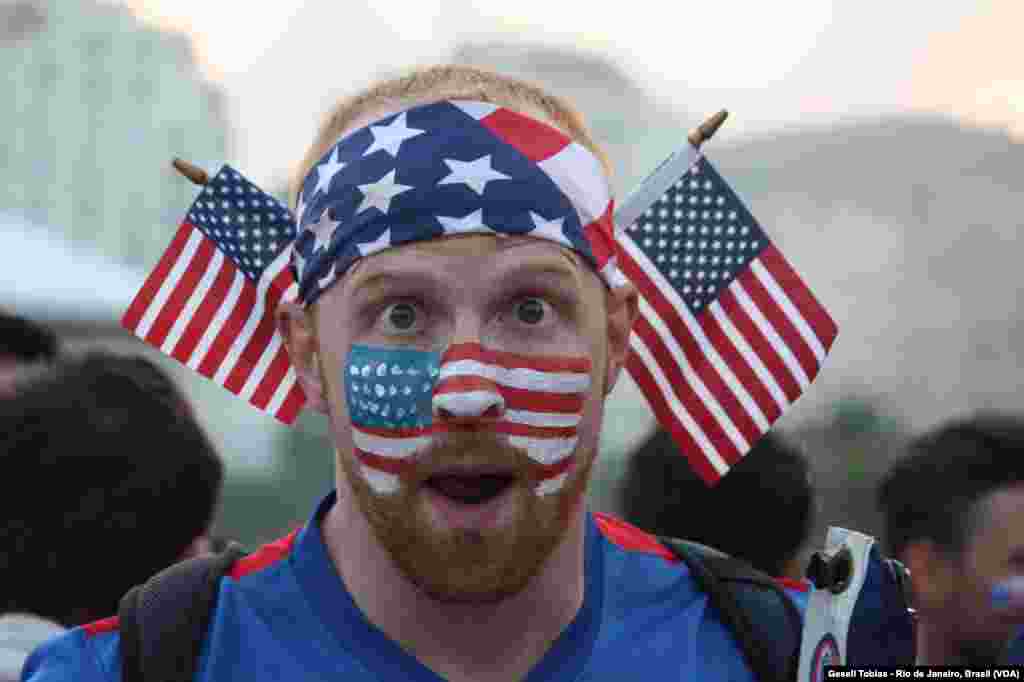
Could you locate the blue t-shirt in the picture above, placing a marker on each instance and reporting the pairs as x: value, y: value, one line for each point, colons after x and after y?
x: 284, y: 614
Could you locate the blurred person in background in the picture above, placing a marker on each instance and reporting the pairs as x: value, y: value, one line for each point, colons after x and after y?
x: 761, y: 511
x: 954, y: 515
x: 25, y: 346
x: 107, y: 478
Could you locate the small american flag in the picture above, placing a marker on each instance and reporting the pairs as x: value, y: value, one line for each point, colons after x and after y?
x: 728, y: 335
x: 536, y: 401
x: 210, y: 301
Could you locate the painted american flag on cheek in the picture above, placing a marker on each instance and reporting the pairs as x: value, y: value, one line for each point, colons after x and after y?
x: 394, y: 394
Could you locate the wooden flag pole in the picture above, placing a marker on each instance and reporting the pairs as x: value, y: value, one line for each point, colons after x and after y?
x: 705, y: 130
x: 191, y: 171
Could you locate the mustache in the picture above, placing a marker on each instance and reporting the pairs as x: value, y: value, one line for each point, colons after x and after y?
x: 477, y: 451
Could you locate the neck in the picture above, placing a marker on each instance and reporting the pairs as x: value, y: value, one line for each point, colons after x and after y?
x: 481, y: 642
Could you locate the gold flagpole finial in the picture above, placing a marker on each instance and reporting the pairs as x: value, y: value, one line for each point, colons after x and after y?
x: 190, y: 171
x: 705, y: 130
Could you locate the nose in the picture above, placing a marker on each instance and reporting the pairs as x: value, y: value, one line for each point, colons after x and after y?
x: 468, y: 399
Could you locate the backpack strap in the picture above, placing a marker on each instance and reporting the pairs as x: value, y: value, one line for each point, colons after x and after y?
x: 759, y: 613
x: 164, y: 621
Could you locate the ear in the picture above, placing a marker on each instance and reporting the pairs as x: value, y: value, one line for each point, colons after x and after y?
x: 931, y: 574
x: 300, y: 340
x: 623, y: 309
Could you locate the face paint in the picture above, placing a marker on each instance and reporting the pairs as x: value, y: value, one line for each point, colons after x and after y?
x: 1009, y: 593
x: 389, y: 394
x: 538, y: 401
x: 392, y: 394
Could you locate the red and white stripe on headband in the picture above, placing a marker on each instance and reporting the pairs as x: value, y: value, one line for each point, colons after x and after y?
x: 571, y: 166
x: 536, y: 401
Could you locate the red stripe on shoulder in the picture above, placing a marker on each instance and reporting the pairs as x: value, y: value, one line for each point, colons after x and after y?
x: 100, y: 626
x: 629, y: 537
x: 793, y: 584
x: 265, y: 556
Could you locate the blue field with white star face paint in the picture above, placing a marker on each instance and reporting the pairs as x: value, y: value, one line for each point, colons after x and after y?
x: 390, y: 388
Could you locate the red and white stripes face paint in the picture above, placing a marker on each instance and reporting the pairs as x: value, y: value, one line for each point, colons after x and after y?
x: 536, y: 401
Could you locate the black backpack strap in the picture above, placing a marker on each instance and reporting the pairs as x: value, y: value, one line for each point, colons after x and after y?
x: 761, y: 616
x: 164, y: 621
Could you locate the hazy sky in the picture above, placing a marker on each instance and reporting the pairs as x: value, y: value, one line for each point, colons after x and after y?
x: 773, y: 65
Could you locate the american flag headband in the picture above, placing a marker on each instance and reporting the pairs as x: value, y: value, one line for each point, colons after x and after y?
x: 449, y: 168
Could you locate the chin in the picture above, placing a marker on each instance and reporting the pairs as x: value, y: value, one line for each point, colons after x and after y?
x: 463, y: 548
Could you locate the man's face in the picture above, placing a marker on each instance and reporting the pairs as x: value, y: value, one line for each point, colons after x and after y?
x: 470, y: 513
x: 994, y: 553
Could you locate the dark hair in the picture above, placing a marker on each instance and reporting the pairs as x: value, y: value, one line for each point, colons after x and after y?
x: 932, y: 493
x: 106, y: 477
x: 760, y: 511
x: 26, y: 340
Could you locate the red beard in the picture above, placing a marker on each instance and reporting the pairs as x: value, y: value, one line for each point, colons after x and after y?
x: 471, y: 565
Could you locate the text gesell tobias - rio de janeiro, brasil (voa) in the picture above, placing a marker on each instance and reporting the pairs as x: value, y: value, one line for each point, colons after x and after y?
x: 841, y: 672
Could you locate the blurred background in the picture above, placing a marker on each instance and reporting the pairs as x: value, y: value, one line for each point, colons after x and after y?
x: 878, y: 143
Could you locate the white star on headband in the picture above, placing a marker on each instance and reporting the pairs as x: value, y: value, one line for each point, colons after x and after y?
x: 475, y: 174
x: 379, y: 244
x: 324, y: 229
x: 390, y: 137
x: 549, y: 229
x: 325, y: 172
x: 474, y: 222
x: 379, y: 194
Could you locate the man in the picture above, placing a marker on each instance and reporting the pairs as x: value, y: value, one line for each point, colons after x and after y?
x: 24, y: 345
x: 92, y: 503
x: 954, y: 514
x: 462, y: 357
x: 663, y: 495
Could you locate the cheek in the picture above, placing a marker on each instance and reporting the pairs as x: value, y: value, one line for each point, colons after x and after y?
x: 593, y: 414
x: 387, y: 392
x: 389, y: 388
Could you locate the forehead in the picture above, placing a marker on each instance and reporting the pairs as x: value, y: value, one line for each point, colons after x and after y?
x: 998, y: 518
x: 1005, y: 505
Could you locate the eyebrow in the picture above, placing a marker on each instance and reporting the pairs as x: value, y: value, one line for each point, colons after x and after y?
x: 555, y: 269
x: 377, y: 283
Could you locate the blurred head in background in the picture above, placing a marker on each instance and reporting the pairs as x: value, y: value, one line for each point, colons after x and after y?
x: 24, y: 345
x: 954, y: 514
x: 107, y: 478
x: 760, y: 512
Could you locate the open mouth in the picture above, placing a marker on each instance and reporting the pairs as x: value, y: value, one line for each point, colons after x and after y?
x: 470, y: 488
